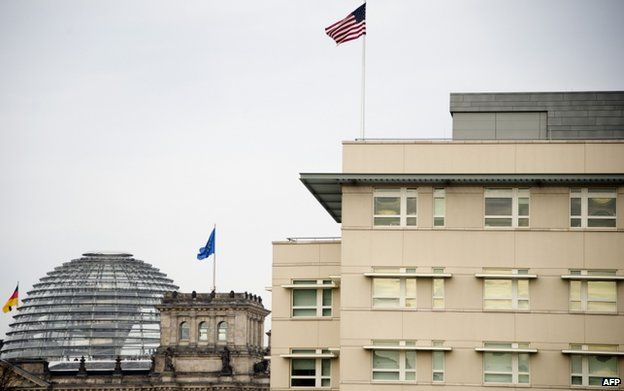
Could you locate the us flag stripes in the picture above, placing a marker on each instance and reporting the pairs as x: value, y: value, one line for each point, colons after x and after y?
x: 350, y: 28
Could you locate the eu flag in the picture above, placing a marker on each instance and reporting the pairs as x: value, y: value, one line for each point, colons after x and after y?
x: 209, y: 249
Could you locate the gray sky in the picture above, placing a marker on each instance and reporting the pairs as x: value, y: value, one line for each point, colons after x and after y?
x: 136, y: 125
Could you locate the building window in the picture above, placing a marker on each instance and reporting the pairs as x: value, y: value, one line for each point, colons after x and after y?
x: 184, y: 331
x: 506, y: 294
x: 394, y: 292
x: 506, y: 367
x: 437, y: 290
x: 507, y: 208
x: 312, y: 302
x: 222, y: 331
x: 203, y: 331
x: 310, y: 372
x: 593, y: 296
x: 592, y: 208
x: 437, y: 363
x: 590, y: 369
x: 396, y: 207
x: 394, y: 365
x: 439, y: 207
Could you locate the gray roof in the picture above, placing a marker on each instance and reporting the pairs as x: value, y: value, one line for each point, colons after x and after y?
x: 327, y: 187
x: 570, y: 115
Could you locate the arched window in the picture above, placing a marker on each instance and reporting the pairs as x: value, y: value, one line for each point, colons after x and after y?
x: 203, y: 331
x: 222, y: 331
x: 184, y: 331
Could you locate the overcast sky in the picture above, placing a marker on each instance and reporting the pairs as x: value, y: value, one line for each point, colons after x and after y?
x: 137, y: 125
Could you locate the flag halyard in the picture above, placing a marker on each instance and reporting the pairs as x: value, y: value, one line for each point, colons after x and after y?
x: 349, y: 28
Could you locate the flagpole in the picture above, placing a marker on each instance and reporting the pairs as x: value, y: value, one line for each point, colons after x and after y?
x: 362, y: 121
x: 214, y: 261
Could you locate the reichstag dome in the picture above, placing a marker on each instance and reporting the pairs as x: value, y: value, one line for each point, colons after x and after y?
x: 100, y: 306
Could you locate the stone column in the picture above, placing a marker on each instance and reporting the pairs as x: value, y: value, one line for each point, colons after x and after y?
x: 173, y: 332
x: 212, y: 336
x: 193, y: 330
x: 261, y: 342
x: 254, y: 329
x: 249, y: 336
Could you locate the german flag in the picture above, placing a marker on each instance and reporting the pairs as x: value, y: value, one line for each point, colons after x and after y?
x: 12, y: 302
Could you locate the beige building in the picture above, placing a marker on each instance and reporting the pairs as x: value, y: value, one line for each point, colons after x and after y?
x: 489, y: 261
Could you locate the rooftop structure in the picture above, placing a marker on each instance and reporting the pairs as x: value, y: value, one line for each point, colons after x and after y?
x: 538, y: 115
x: 100, y: 306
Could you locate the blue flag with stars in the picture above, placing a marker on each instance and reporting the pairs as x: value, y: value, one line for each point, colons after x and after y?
x: 209, y: 249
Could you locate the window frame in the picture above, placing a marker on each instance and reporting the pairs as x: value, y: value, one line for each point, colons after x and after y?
x: 584, y: 293
x: 402, y: 371
x: 199, y: 331
x: 514, y: 298
x: 584, y: 194
x: 318, y: 369
x: 439, y: 194
x: 434, y: 371
x: 584, y: 374
x: 184, y: 327
x: 320, y: 307
x: 515, y: 367
x: 514, y: 195
x: 402, y: 298
x: 435, y: 297
x: 403, y: 194
x: 220, y: 329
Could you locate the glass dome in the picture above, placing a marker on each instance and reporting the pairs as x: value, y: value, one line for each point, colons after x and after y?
x: 100, y: 306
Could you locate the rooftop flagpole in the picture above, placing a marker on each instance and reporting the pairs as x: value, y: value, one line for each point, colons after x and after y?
x: 214, y: 262
x: 363, y: 119
x: 345, y: 30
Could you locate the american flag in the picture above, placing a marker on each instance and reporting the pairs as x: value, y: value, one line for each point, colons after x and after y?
x: 350, y: 28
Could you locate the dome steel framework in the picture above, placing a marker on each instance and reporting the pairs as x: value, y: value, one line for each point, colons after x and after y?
x: 100, y: 306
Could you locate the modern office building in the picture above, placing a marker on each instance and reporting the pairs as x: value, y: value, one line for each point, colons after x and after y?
x: 489, y: 261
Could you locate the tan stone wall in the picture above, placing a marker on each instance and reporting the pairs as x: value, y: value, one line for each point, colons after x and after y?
x: 302, y: 260
x: 455, y: 157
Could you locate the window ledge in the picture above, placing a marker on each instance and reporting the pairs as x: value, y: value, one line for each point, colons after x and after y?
x: 593, y: 352
x: 592, y: 277
x: 507, y: 228
x: 574, y: 312
x: 507, y: 310
x: 506, y: 276
x: 407, y: 275
x: 309, y: 355
x: 304, y: 318
x: 397, y: 227
x: 511, y: 385
x: 506, y: 350
x: 396, y: 347
x: 309, y: 286
x: 594, y: 229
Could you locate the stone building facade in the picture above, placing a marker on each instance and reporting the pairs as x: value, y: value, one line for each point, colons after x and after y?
x: 209, y: 341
